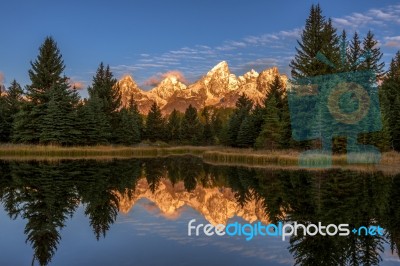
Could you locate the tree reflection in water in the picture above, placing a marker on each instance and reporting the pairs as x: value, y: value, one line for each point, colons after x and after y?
x: 45, y: 194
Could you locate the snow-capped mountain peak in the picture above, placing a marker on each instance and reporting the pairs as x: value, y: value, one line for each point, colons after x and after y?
x: 167, y: 87
x: 218, y: 88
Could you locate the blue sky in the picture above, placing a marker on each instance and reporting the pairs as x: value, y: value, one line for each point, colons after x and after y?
x: 148, y: 38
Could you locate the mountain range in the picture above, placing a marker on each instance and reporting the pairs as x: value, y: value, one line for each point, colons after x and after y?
x: 219, y: 88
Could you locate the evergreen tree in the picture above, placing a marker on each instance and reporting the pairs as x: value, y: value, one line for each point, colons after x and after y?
x: 390, y: 100
x: 24, y: 130
x: 318, y: 36
x: 46, y: 77
x: 128, y: 130
x: 46, y: 71
x: 174, y: 126
x: 93, y: 123
x: 272, y: 133
x: 134, y: 111
x: 208, y: 133
x: 381, y: 139
x: 14, y: 97
x: 331, y: 47
x: 130, y: 123
x: 245, y: 137
x: 344, y: 53
x: 278, y: 92
x: 58, y: 124
x: 243, y: 107
x: 251, y: 127
x: 219, y: 124
x: 12, y: 101
x: 276, y: 115
x: 105, y: 88
x: 355, y: 52
x: 192, y: 129
x: 395, y: 127
x: 4, y: 125
x: 155, y: 124
x: 373, y: 61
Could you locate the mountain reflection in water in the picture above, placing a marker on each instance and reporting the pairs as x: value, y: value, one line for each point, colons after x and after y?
x: 45, y: 196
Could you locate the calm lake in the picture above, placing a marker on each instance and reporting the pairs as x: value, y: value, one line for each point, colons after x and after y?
x: 136, y: 212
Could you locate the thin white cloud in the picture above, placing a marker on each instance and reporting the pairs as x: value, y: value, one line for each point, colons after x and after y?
x: 382, y: 16
x: 354, y: 20
x: 146, y: 60
x: 295, y: 33
x: 393, y: 41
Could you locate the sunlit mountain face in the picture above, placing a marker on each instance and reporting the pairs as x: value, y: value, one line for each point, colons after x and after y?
x: 81, y: 211
x: 218, y: 88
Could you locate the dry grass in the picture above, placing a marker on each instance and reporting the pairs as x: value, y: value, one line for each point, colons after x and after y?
x: 20, y: 151
x: 289, y: 159
x: 216, y: 155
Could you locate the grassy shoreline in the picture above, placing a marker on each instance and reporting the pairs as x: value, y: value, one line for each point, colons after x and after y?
x: 11, y: 150
x: 210, y: 154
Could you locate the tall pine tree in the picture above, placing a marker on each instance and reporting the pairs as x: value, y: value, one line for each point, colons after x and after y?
x: 130, y: 125
x: 192, y: 129
x: 318, y: 36
x: 46, y: 71
x: 272, y: 132
x: 93, y: 123
x: 242, y: 111
x: 390, y: 100
x: 174, y: 126
x: 208, y: 132
x: 4, y: 125
x: 373, y: 60
x: 59, y: 121
x: 355, y: 52
x: 104, y: 87
x: 46, y: 79
x: 10, y: 104
x: 155, y: 124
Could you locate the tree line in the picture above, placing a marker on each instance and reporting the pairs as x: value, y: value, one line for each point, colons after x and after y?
x: 50, y: 111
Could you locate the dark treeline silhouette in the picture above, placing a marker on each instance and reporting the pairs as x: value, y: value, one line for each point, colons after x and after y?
x: 46, y: 194
x: 49, y: 111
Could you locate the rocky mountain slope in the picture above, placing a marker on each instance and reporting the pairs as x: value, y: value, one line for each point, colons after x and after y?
x: 219, y: 87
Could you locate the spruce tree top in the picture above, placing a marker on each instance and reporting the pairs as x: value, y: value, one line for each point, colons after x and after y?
x: 372, y: 62
x: 318, y: 36
x: 244, y: 103
x: 393, y: 73
x: 14, y: 96
x: 46, y: 70
x: 104, y: 87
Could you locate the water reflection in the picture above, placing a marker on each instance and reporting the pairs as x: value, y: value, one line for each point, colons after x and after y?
x: 46, y: 194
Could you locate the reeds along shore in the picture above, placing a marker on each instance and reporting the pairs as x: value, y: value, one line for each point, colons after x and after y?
x: 209, y: 154
x: 93, y: 151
